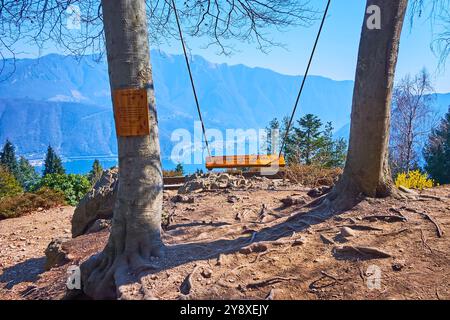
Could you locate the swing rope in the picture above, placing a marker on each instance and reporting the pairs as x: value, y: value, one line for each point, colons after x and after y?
x: 191, y: 78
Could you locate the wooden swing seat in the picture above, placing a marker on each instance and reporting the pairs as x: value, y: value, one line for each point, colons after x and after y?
x: 244, y: 161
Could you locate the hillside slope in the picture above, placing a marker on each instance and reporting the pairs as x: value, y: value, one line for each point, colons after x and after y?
x: 231, y: 251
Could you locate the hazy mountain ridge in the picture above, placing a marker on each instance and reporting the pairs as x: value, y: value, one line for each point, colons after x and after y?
x: 61, y: 101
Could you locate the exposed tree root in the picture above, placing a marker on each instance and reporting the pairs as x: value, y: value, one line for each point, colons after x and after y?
x: 439, y: 230
x: 427, y: 196
x: 107, y: 274
x: 424, y: 241
x: 361, y: 252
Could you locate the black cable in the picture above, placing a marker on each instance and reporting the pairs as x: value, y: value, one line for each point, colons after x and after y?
x: 304, y: 79
x: 190, y: 76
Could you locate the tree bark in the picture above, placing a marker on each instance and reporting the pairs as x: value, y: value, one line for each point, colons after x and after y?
x: 367, y: 170
x: 135, y: 235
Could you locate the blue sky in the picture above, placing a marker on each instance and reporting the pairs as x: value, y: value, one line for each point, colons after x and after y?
x: 336, y: 54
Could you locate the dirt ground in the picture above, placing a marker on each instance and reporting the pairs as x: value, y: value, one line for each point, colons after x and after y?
x: 247, y: 244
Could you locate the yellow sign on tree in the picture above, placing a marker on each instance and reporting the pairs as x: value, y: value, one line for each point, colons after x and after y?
x: 131, y: 112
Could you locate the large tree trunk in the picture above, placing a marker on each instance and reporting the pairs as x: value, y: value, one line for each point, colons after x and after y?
x: 135, y: 235
x: 367, y: 171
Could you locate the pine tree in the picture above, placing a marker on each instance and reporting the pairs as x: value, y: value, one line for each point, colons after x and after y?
x: 308, y: 138
x: 53, y: 163
x: 289, y: 149
x: 326, y: 151
x: 179, y: 169
x: 437, y: 152
x: 96, y: 172
x: 27, y: 175
x: 332, y: 152
x: 8, y: 158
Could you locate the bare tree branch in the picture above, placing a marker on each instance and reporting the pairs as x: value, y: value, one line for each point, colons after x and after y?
x: 412, y: 119
x: 438, y: 13
x: 73, y: 25
x: 76, y: 26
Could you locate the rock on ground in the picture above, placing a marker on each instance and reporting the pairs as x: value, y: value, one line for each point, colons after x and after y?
x: 97, y: 204
x: 214, y: 181
x: 55, y: 253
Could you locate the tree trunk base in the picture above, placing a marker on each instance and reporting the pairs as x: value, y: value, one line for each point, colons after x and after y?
x: 107, y: 274
x: 346, y: 194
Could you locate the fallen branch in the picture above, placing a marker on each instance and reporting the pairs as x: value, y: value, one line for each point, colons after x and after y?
x: 361, y: 227
x: 387, y: 218
x: 329, y: 276
x: 313, y: 285
x: 263, y: 283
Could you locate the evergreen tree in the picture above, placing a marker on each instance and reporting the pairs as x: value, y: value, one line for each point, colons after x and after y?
x: 332, y: 153
x: 339, y: 154
x: 8, y: 158
x: 9, y: 186
x: 308, y: 138
x: 27, y: 175
x: 96, y: 172
x: 437, y: 152
x: 326, y: 152
x: 53, y: 163
x: 179, y: 169
x: 289, y: 146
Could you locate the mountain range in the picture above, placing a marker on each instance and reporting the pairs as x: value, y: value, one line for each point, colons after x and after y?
x: 65, y: 101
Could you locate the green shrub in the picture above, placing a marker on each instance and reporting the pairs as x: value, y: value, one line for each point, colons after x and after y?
x: 74, y: 186
x: 19, y: 205
x: 9, y: 186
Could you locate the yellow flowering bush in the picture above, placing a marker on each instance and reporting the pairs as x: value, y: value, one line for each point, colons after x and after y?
x: 414, y: 180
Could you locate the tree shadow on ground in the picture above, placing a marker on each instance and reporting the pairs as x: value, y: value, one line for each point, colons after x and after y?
x: 179, y: 254
x: 27, y: 271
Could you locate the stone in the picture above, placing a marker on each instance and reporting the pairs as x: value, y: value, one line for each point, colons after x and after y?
x: 207, y: 273
x: 232, y: 199
x: 290, y: 201
x: 318, y: 192
x: 398, y: 265
x: 347, y: 232
x: 183, y: 199
x: 254, y: 248
x: 326, y: 240
x: 99, y: 225
x: 212, y: 181
x: 97, y: 203
x: 55, y: 253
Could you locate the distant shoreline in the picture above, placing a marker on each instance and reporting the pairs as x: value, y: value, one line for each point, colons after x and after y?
x: 83, y: 164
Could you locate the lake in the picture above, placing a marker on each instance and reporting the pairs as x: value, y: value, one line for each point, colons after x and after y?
x: 83, y: 166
